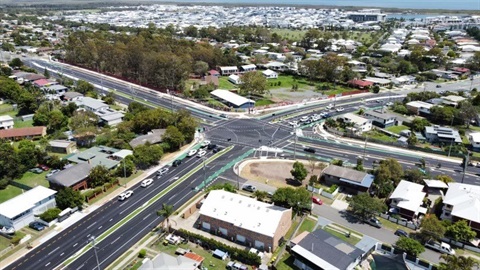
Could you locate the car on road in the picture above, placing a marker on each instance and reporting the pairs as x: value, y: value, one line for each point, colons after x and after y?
x: 309, y: 150
x: 147, y: 182
x: 37, y: 226
x: 374, y: 222
x: 192, y: 153
x: 217, y: 149
x: 438, y: 86
x: 162, y: 171
x: 250, y: 188
x: 201, y: 153
x: 400, y: 232
x: 125, y: 195
x: 316, y: 200
x: 340, y: 109
x: 389, y: 104
x: 52, y: 173
x: 223, y: 115
x: 330, y: 106
x: 205, y: 144
x: 304, y: 119
x: 211, y: 146
x: 176, y: 163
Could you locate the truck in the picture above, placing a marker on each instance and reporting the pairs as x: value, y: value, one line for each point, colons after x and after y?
x: 441, y: 247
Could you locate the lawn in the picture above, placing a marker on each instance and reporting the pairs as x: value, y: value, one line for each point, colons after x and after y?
x: 22, y: 124
x: 291, y: 34
x: 286, y: 82
x: 351, y: 240
x: 397, y: 129
x: 4, y: 242
x: 223, y: 83
x: 379, y: 136
x: 307, y: 225
x: 32, y: 179
x: 210, y: 262
x: 292, y: 229
x: 263, y: 102
x: 286, y: 262
x: 9, y: 192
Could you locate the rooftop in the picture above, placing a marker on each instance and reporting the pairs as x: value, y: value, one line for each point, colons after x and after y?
x: 350, y: 175
x: 4, y: 118
x: 409, y: 195
x: 465, y: 200
x: 60, y: 143
x: 379, y: 115
x: 165, y: 261
x: 71, y: 175
x: 25, y: 201
x: 231, y: 97
x: 244, y: 212
x: 23, y: 132
x: 97, y: 155
x: 92, y: 103
x: 153, y: 137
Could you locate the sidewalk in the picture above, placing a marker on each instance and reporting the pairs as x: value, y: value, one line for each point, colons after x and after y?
x: 61, y: 226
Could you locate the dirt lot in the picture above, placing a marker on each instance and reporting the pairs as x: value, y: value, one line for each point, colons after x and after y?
x: 277, y: 172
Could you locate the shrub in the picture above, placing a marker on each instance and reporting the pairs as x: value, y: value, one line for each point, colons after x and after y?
x: 50, y: 214
x: 142, y: 254
x: 332, y: 189
x: 4, y: 183
x: 16, y: 239
x: 98, y: 190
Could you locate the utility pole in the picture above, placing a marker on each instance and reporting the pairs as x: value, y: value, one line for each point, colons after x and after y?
x: 295, y: 144
x: 467, y: 156
x: 92, y: 240
x: 365, y: 149
x: 451, y: 142
x: 204, y: 175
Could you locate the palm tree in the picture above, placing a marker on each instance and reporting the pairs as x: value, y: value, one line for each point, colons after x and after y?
x: 166, y: 212
x: 453, y: 262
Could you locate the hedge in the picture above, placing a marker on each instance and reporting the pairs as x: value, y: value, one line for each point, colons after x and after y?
x: 332, y: 189
x: 50, y: 214
x: 241, y: 255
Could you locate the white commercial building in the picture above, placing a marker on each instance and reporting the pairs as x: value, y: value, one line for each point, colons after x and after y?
x: 19, y: 211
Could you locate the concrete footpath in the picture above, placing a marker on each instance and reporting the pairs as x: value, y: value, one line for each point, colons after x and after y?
x: 61, y: 226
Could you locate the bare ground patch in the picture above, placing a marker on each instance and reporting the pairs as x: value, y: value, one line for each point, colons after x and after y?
x: 277, y: 172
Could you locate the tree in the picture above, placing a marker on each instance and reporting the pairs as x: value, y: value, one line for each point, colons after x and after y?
x: 442, y: 115
x: 467, y: 112
x: 376, y: 89
x: 445, y: 178
x: 68, y: 197
x: 364, y: 206
x: 50, y: 214
x: 453, y: 262
x: 84, y: 87
x: 412, y: 139
x: 460, y: 231
x: 253, y: 83
x: 166, y: 211
x: 16, y: 63
x: 29, y: 154
x: 173, y: 137
x: 431, y: 228
x: 98, y: 176
x: 299, y: 172
x: 147, y: 155
x: 46, y: 73
x: 419, y: 124
x: 82, y: 120
x: 388, y: 173
x: 359, y: 166
x: 299, y: 199
x: 414, y: 176
x: 200, y: 68
x: 476, y: 100
x: 126, y: 167
x: 410, y: 246
x: 109, y: 98
x: 260, y: 195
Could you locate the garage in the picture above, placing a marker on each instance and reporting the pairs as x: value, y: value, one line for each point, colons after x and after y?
x: 240, y: 238
x: 206, y: 226
x: 259, y: 245
x: 223, y: 231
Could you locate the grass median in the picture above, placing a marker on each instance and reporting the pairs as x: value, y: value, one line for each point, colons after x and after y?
x: 146, y: 205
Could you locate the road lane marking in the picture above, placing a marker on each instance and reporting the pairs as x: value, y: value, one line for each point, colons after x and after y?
x: 75, y: 245
x: 100, y: 227
x: 62, y: 254
x: 47, y: 264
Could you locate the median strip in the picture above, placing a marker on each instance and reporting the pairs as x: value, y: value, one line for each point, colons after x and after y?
x: 146, y: 205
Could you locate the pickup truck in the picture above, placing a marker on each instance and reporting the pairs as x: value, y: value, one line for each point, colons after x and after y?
x: 441, y: 247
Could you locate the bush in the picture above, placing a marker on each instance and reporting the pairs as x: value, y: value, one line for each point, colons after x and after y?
x: 4, y: 183
x: 332, y: 189
x: 142, y: 254
x: 16, y: 239
x: 50, y: 214
x: 98, y: 190
x: 241, y: 255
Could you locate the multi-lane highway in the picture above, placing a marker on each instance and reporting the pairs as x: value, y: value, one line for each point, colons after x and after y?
x: 244, y: 133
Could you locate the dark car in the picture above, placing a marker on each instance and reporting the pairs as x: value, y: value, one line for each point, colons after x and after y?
x: 211, y: 146
x: 401, y: 233
x: 216, y: 150
x: 176, y: 163
x: 310, y: 150
x: 37, y: 226
x: 439, y: 86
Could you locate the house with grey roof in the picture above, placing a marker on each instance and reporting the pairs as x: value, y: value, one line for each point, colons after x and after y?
x: 75, y: 177
x: 97, y: 155
x: 152, y: 137
x: 169, y: 262
x: 321, y: 250
x: 72, y: 96
x: 438, y: 134
x: 56, y: 89
x: 352, y: 180
x: 62, y: 146
x: 381, y: 119
x: 91, y: 104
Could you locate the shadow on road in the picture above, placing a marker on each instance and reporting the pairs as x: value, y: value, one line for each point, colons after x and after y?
x: 349, y: 217
x: 293, y: 182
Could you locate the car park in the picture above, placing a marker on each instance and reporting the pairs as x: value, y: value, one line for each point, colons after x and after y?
x: 125, y: 195
x: 400, y: 232
x: 374, y: 222
x: 37, y: 226
x: 52, y: 173
x: 192, y: 153
x: 147, y: 182
x: 250, y: 188
x: 176, y: 163
x: 316, y: 200
x: 162, y: 171
x: 309, y: 150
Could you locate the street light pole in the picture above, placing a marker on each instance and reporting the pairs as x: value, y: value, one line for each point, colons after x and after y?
x: 365, y: 149
x: 295, y: 144
x: 451, y: 141
x: 92, y: 240
x: 204, y: 175
x: 465, y: 165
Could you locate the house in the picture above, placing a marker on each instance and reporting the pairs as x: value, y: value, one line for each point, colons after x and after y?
x: 278, y: 66
x: 244, y: 220
x: 407, y: 199
x: 378, y: 81
x: 72, y: 96
x: 440, y: 134
x: 419, y: 107
x: 461, y: 71
x: 75, y: 177
x: 97, y: 155
x: 404, y: 80
x: 357, y: 66
x: 321, y: 250
x: 152, y: 137
x: 109, y: 117
x: 214, y: 73
x: 452, y: 100
x: 462, y: 202
x: 210, y: 79
x: 6, y: 122
x: 19, y: 211
x: 445, y: 74
x: 248, y: 68
x: 106, y: 115
x: 352, y: 180
x: 44, y: 83
x: 235, y: 79
x: 474, y: 139
x: 23, y: 133
x: 380, y: 118
x: 169, y: 262
x: 360, y: 84
x: 224, y: 71
x: 232, y: 99
x: 31, y: 77
x: 91, y: 104
x: 62, y: 146
x: 56, y: 89
x: 360, y: 124
x: 270, y: 74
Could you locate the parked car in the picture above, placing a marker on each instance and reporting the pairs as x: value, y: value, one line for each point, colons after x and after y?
x: 374, y: 222
x: 44, y: 167
x: 316, y: 200
x: 192, y: 153
x: 7, y: 230
x: 36, y: 170
x: 162, y: 171
x: 52, y: 173
x: 439, y: 86
x: 310, y: 150
x: 176, y: 163
x: 37, y: 226
x: 125, y: 195
x: 400, y: 232
x: 211, y: 146
x: 147, y: 182
x: 250, y: 188
x: 223, y: 115
x: 440, y: 247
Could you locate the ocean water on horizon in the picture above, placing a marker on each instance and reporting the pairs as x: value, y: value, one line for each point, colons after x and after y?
x: 404, y: 4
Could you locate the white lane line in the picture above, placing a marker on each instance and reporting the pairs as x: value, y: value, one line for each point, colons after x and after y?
x: 62, y: 254
x: 115, y: 240
x: 146, y: 216
x: 53, y: 251
x: 75, y: 245
x: 47, y: 264
x: 100, y: 227
x: 91, y: 225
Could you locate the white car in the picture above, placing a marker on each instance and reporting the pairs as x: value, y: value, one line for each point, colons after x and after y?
x: 304, y: 119
x: 162, y: 171
x: 329, y: 106
x: 147, y: 182
x: 125, y: 195
x: 340, y: 109
x: 205, y: 143
x: 389, y: 104
x: 192, y: 153
x: 201, y: 153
